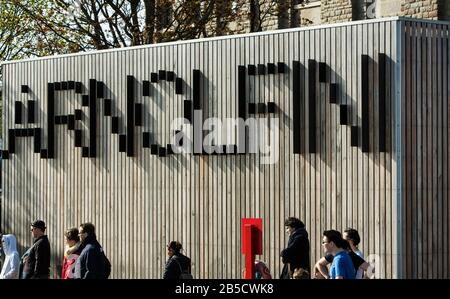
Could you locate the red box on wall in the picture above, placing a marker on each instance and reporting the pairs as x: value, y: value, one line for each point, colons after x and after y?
x: 255, y: 239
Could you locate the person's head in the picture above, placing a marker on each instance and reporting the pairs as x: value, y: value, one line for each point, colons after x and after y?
x: 86, y: 230
x: 71, y: 236
x: 174, y: 247
x: 352, y: 236
x: 332, y: 242
x: 9, y: 244
x: 38, y: 228
x: 292, y: 224
x: 261, y: 270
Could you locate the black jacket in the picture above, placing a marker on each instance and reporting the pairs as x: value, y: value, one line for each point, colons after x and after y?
x: 175, y: 264
x: 91, y: 262
x: 37, y: 264
x: 296, y: 253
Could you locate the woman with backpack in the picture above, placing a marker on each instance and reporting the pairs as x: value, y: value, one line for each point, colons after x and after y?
x: 178, y: 266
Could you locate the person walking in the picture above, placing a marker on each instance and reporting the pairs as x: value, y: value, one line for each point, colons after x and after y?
x: 296, y: 254
x: 10, y: 268
x: 71, y: 253
x: 352, y: 236
x: 342, y: 266
x: 92, y: 262
x: 37, y: 264
x: 360, y: 265
x: 178, y: 266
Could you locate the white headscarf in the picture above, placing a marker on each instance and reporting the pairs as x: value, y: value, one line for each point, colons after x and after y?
x: 11, y: 266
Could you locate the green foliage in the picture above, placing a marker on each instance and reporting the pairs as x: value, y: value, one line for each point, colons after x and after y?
x: 34, y: 28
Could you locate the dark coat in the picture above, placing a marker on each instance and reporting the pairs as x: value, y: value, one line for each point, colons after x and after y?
x: 37, y: 263
x: 296, y: 253
x: 91, y: 262
x: 173, y: 265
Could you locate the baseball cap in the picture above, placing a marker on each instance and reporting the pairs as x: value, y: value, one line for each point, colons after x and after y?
x: 39, y: 224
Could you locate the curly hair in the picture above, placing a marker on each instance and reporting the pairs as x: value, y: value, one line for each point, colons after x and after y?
x: 72, y: 234
x: 175, y: 246
x: 294, y: 223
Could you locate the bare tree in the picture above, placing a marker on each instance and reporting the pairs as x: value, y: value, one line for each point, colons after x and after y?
x: 61, y: 26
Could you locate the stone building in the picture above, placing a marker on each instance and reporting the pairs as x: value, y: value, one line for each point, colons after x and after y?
x: 333, y: 11
x: 245, y: 16
x: 314, y: 12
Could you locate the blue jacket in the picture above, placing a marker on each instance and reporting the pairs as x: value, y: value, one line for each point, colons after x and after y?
x: 91, y: 262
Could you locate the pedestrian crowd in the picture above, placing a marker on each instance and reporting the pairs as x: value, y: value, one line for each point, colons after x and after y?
x: 342, y: 259
x: 84, y: 257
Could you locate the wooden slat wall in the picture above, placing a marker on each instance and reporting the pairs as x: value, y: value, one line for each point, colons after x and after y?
x: 139, y: 204
x: 425, y: 137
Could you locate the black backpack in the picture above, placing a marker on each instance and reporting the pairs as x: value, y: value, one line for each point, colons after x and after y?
x: 107, y: 265
x: 184, y: 274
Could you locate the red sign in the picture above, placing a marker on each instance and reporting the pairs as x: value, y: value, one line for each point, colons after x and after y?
x: 251, y: 243
x: 256, y: 237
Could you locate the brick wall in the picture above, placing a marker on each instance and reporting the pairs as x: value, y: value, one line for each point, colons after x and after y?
x: 422, y: 9
x: 334, y: 11
x: 242, y: 23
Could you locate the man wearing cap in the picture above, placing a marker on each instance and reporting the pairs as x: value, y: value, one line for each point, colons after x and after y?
x: 37, y: 264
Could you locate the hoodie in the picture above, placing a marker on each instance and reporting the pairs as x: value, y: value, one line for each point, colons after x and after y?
x: 11, y: 266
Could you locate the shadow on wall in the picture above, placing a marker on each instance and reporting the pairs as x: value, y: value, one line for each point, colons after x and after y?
x: 21, y: 222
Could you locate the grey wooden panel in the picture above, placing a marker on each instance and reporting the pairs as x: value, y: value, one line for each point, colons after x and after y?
x: 426, y: 156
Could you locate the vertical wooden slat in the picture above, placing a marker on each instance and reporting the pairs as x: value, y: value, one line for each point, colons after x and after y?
x: 428, y: 158
x: 277, y: 204
x: 361, y: 178
x: 413, y: 61
x: 439, y: 258
x: 383, y: 125
x: 376, y: 199
x: 407, y: 136
x: 434, y: 155
x: 445, y: 177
